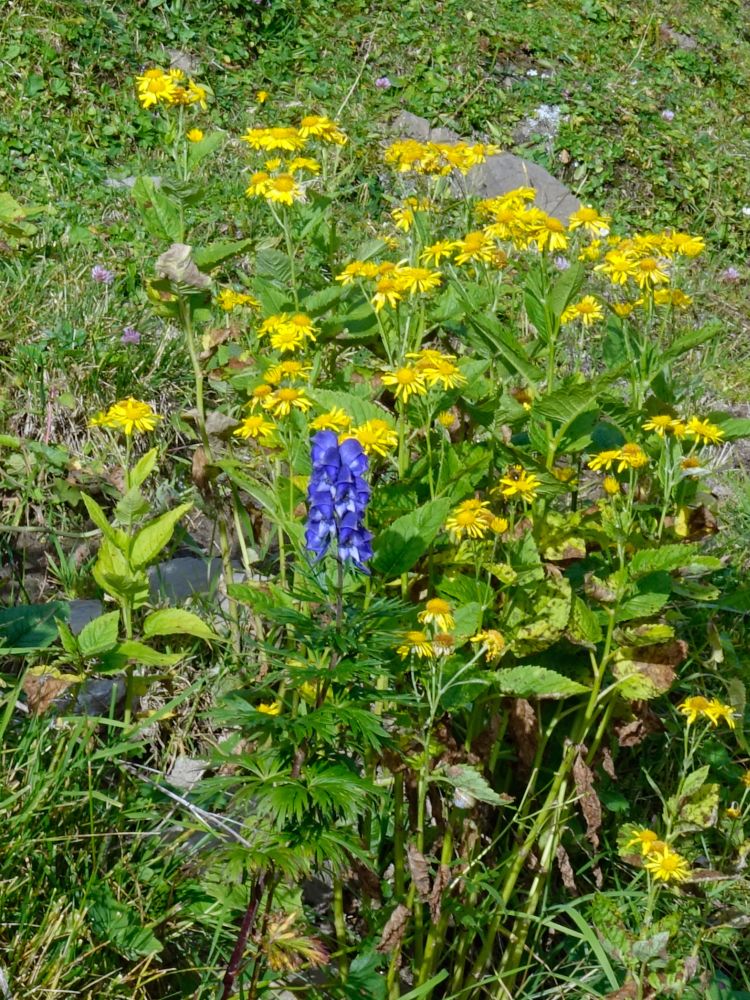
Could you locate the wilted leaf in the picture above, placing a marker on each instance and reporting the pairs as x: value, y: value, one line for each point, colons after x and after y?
x: 177, y: 265
x: 566, y: 870
x: 43, y: 685
x: 419, y: 870
x: 442, y: 880
x: 700, y: 811
x: 394, y: 930
x: 470, y: 785
x: 608, y: 765
x: 588, y: 800
x: 635, y: 730
x: 648, y: 671
x: 597, y: 590
x: 523, y: 731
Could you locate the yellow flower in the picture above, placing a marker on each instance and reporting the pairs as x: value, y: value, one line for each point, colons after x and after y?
x: 254, y: 427
x: 435, y: 252
x: 99, y: 419
x: 745, y: 779
x: 446, y: 419
x: 499, y: 525
x: 287, y: 339
x: 291, y: 368
x: 284, y: 138
x: 320, y: 127
x: 644, y: 840
x: 131, y: 415
x: 283, y: 400
x: 589, y: 219
x: 734, y: 811
x: 358, y: 269
x: 672, y: 297
x: 470, y: 518
x: 262, y: 96
x: 418, y: 279
x: 648, y: 272
x: 408, y: 381
x: 667, y: 865
x: 388, y: 291
x: 258, y: 185
x: 228, y: 299
x: 273, y: 164
x: 154, y: 86
x: 493, y: 641
x: 691, y: 462
x: 269, y: 707
x: 196, y: 95
x: 475, y: 246
x: 519, y: 482
x: 617, y: 266
x: 377, y: 437
x: 592, y: 251
x: 660, y: 424
x: 716, y: 710
x: 604, y: 459
x: 443, y: 644
x: 687, y: 245
x: 283, y: 189
x: 334, y: 420
x: 436, y: 158
x: 415, y: 642
x: 611, y: 486
x: 587, y: 310
x: 304, y: 163
x: 703, y: 431
x: 548, y: 233
x: 623, y: 309
x: 437, y: 612
x: 443, y: 371
x: 693, y: 707
x: 631, y: 456
x: 403, y: 215
x: 259, y: 395
x: 296, y: 326
x: 194, y: 135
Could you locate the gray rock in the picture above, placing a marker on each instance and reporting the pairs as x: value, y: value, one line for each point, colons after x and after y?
x: 183, y: 60
x: 677, y: 38
x: 178, y: 579
x: 498, y: 174
x: 83, y: 612
x: 186, y: 772
x: 125, y: 183
x: 96, y: 695
x: 543, y: 124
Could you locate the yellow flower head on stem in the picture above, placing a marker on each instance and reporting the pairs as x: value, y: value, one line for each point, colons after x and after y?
x: 493, y: 642
x: 590, y: 220
x: 703, y: 431
x: 334, y: 420
x: 131, y: 415
x: 417, y: 643
x: 406, y: 382
x: 439, y: 613
x: 644, y: 840
x: 666, y: 865
x: 194, y: 135
x: 518, y: 482
x: 282, y: 401
x: 376, y: 436
x: 470, y: 519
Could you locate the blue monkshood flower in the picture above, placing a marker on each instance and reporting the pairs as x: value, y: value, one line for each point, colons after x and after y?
x: 337, y: 497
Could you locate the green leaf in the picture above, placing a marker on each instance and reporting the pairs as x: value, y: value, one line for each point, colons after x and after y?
x: 733, y: 427
x: 605, y: 915
x: 666, y: 559
x: 68, y: 640
x: 399, y: 547
x: 143, y: 467
x: 565, y: 288
x: 535, y: 682
x: 116, y: 659
x: 584, y: 623
x: 700, y: 810
x: 208, y: 257
x: 115, y: 576
x: 160, y: 213
x: 273, y: 264
x: 647, y: 948
x: 152, y: 538
x: 359, y: 409
x: 30, y: 627
x: 99, y: 635
x: 653, y: 592
x: 116, y: 925
x: 694, y: 781
x: 175, y: 621
x: 132, y: 507
x: 114, y: 535
x: 470, y: 783
x: 503, y: 345
x: 198, y: 151
x: 691, y: 340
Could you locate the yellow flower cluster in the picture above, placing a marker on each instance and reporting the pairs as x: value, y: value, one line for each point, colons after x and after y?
x: 403, y: 216
x: 287, y: 331
x: 376, y: 436
x: 587, y: 310
x: 228, y: 299
x: 703, y: 431
x: 714, y: 710
x: 127, y: 416
x: 436, y: 158
x: 664, y: 864
x: 291, y: 139
x: 629, y: 456
x: 430, y: 368
x: 473, y: 519
x: 157, y: 86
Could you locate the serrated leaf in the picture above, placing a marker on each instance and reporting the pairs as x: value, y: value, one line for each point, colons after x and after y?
x: 535, y: 682
x: 605, y: 916
x: 652, y: 594
x: 154, y: 536
x: 29, y: 627
x: 131, y: 507
x: 130, y: 650
x: 584, y: 623
x: 176, y: 621
x: 160, y: 213
x: 399, y: 547
x: 214, y: 254
x: 99, y: 635
x: 665, y: 559
x: 117, y: 925
x: 470, y: 783
x: 114, y: 535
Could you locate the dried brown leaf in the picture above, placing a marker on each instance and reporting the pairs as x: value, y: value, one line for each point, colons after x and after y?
x: 442, y: 880
x: 566, y: 870
x: 608, y: 765
x: 177, y: 265
x: 635, y: 731
x: 367, y: 879
x: 588, y: 800
x: 523, y: 730
x: 598, y: 590
x: 200, y: 469
x: 420, y: 872
x: 394, y: 930
x: 42, y: 689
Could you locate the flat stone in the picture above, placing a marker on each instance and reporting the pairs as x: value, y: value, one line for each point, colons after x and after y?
x: 178, y: 579
x: 543, y: 124
x: 677, y: 38
x: 186, y: 772
x: 498, y: 174
x: 96, y: 695
x: 188, y: 63
x: 125, y: 183
x: 83, y: 612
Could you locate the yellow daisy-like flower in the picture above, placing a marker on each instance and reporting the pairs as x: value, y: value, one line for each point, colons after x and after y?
x: 716, y: 710
x: 291, y: 368
x: 446, y: 419
x: 287, y: 339
x: 407, y: 381
x: 745, y: 779
x: 667, y: 865
x: 320, y: 127
x: 549, y: 233
x: 437, y: 612
x: 499, y: 525
x: 442, y: 371
x: 228, y: 299
x: 262, y: 96
x: 417, y: 643
x: 197, y: 95
x: 588, y: 310
x: 644, y: 840
x: 258, y: 184
x: 617, y: 266
x: 285, y: 138
x: 610, y: 486
x: 283, y: 189
x: 334, y: 420
x: 648, y: 272
x: 358, y: 269
x: 589, y: 219
x: 418, y: 279
x: 518, y: 482
x: 131, y: 415
x: 687, y: 245
x: 592, y: 252
x: 733, y: 811
x: 476, y: 246
x: 298, y: 324
x: 273, y: 164
x: 672, y: 297
x: 281, y: 402
x: 377, y: 437
x: 471, y: 518
x: 693, y: 707
x: 624, y: 309
x: 269, y: 707
x: 493, y: 642
x: 659, y: 424
x: 254, y: 427
x: 631, y: 456
x: 604, y: 459
x: 703, y: 431
x: 194, y: 135
x: 99, y: 419
x: 388, y: 291
x: 436, y: 252
x: 154, y: 86
x: 259, y: 395
x: 303, y: 163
